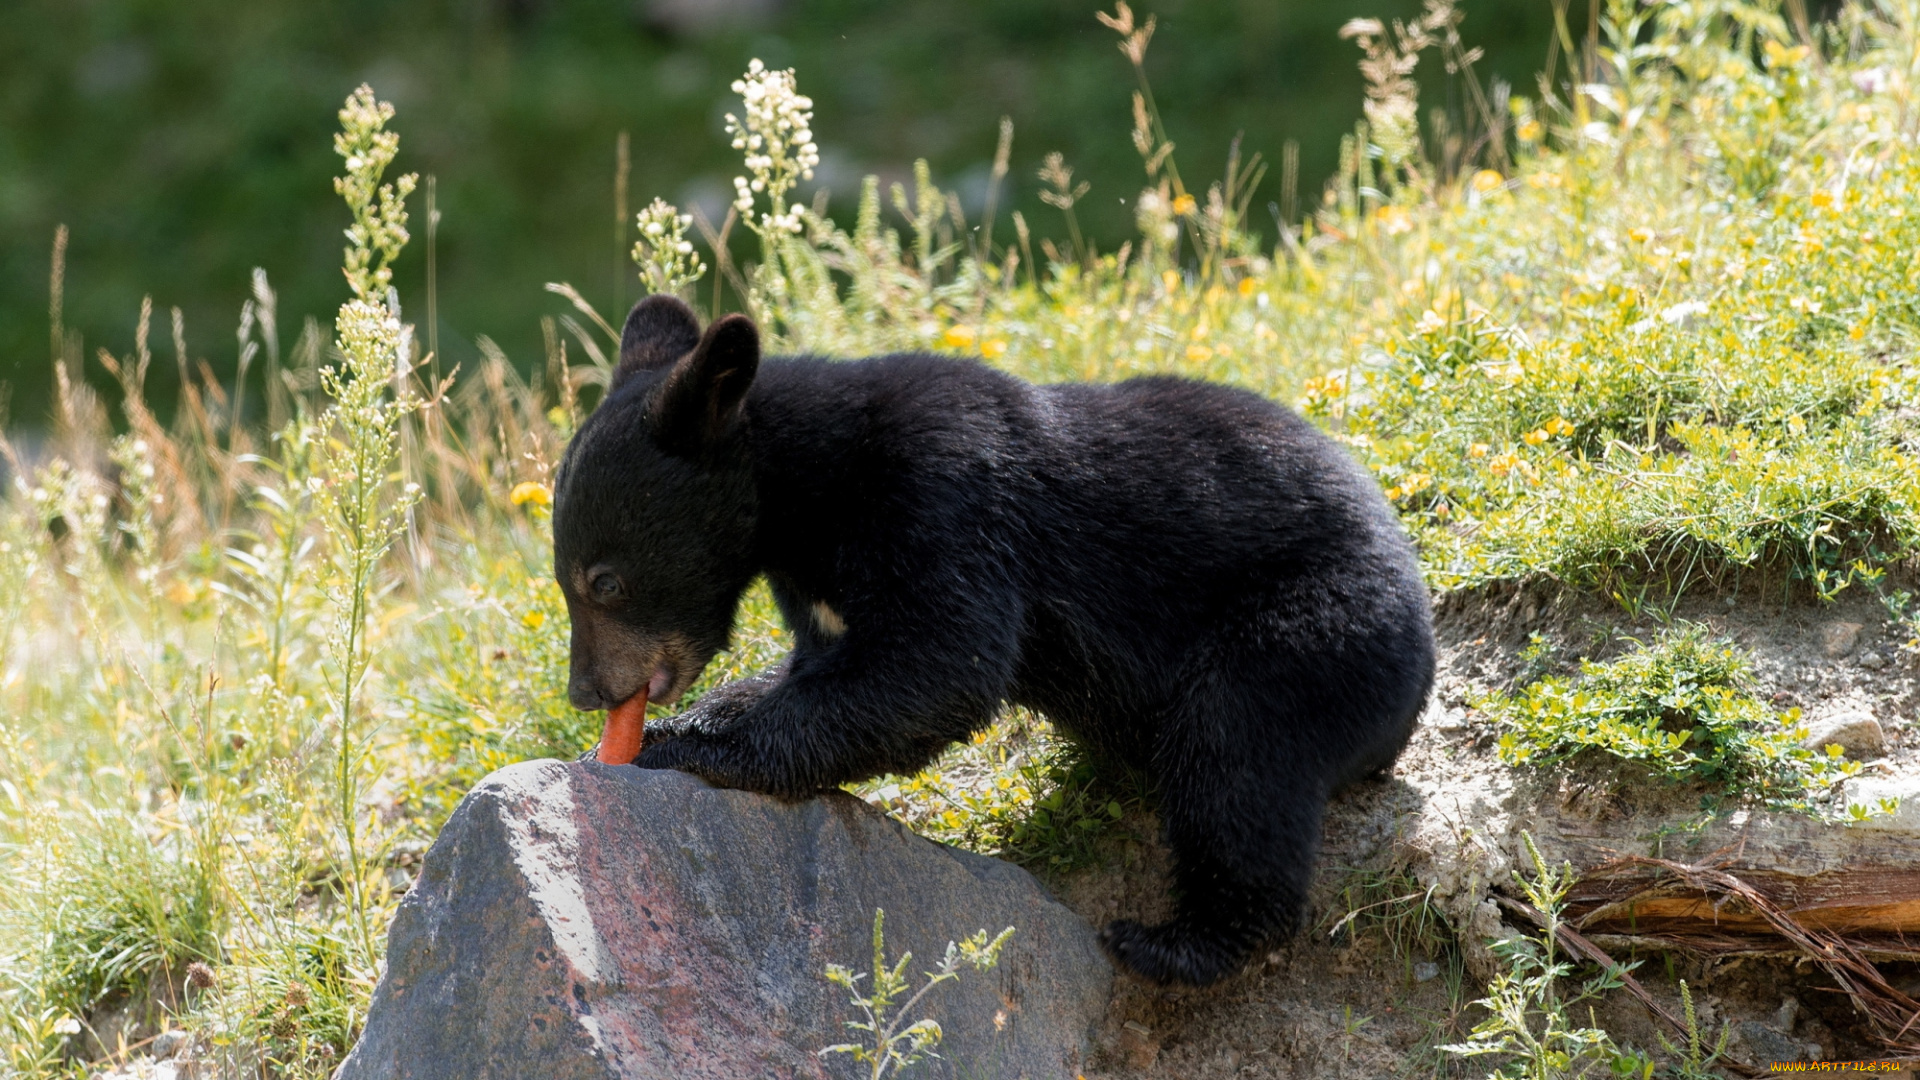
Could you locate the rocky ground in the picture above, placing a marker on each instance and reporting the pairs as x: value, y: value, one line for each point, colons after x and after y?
x: 1377, y: 994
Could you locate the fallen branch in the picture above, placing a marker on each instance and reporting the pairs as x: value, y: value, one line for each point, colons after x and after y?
x: 1894, y: 1017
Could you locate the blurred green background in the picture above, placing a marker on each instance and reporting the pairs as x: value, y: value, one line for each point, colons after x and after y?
x: 184, y: 142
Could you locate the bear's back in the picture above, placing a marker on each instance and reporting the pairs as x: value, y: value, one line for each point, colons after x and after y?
x: 1175, y: 492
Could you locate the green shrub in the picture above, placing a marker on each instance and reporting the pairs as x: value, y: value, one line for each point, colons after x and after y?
x: 1807, y: 516
x: 1683, y: 708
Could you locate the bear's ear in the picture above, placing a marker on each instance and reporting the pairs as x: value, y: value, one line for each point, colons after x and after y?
x: 701, y: 397
x: 659, y: 330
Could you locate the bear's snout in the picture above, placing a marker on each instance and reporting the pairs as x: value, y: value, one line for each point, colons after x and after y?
x: 611, y: 662
x: 583, y: 695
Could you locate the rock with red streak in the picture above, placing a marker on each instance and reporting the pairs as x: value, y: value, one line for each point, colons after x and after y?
x: 591, y: 921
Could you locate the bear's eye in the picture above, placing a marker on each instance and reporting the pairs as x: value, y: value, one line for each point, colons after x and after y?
x: 606, y: 587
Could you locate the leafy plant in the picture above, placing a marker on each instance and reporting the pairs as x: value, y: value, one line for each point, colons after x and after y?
x: 891, y: 1043
x: 1529, y: 1023
x: 1683, y: 707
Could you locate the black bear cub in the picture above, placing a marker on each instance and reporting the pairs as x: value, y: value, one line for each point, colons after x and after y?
x: 1186, y: 577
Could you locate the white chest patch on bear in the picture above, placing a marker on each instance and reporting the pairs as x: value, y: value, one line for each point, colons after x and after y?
x: 828, y: 620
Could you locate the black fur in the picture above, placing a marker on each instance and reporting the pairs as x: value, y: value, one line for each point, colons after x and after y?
x: 1191, y: 579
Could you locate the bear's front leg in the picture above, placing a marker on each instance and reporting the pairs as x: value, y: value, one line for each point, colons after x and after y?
x: 909, y: 665
x: 821, y: 724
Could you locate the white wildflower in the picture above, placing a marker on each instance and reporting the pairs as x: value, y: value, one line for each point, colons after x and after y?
x: 1684, y: 314
x: 66, y: 1025
x: 777, y: 135
x: 665, y: 256
x: 1871, y: 81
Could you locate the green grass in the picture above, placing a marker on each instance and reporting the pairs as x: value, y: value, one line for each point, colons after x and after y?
x: 1019, y: 791
x: 1659, y: 342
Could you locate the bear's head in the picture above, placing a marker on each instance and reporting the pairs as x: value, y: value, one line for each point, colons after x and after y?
x: 654, y: 508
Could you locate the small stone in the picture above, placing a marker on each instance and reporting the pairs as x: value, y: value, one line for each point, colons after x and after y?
x: 1138, y: 1045
x: 1425, y: 970
x: 1872, y: 661
x: 1788, y: 1015
x: 168, y: 1043
x: 1868, y: 791
x: 1858, y: 733
x: 1837, y: 639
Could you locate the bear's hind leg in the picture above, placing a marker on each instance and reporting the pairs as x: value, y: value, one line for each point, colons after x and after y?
x: 1243, y: 821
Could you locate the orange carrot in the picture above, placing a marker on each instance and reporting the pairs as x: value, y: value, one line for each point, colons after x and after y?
x: 626, y: 730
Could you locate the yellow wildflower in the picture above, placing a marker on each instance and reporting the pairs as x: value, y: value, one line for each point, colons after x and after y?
x: 1393, y: 219
x: 957, y: 337
x: 530, y: 492
x: 1183, y: 206
x: 1779, y: 56
x: 1488, y: 180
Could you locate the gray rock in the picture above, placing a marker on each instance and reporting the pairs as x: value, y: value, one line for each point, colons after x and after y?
x: 1871, y: 660
x: 1858, y: 733
x: 168, y: 1043
x: 1761, y: 1046
x: 587, y: 921
x: 1837, y: 639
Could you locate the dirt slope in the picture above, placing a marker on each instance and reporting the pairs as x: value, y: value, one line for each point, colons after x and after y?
x: 1374, y: 996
